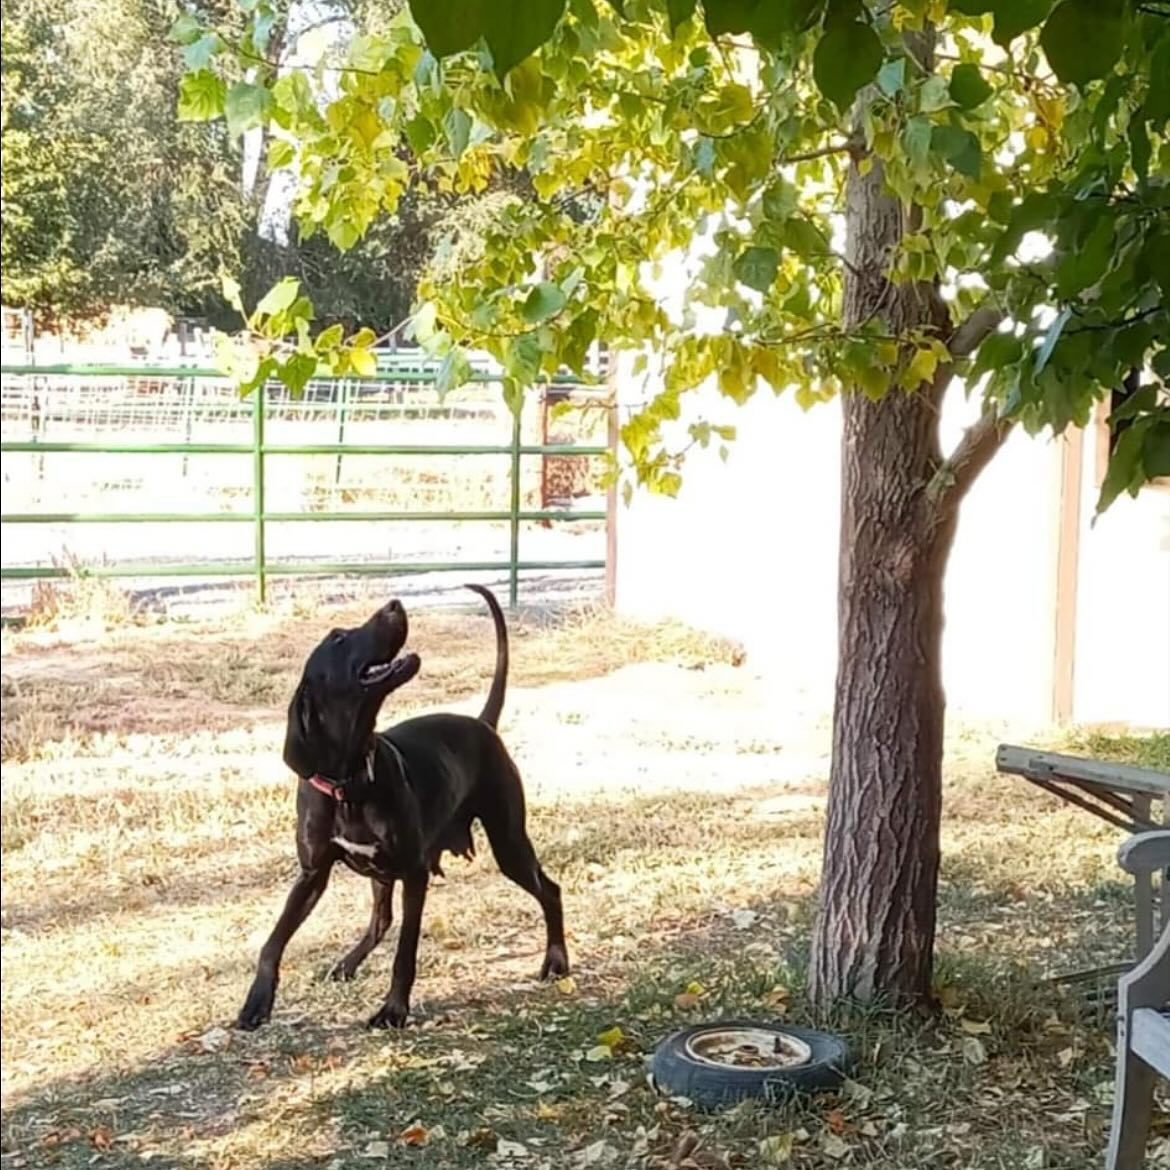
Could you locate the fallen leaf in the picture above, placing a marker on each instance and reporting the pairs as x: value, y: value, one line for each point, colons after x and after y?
x: 378, y: 1149
x: 214, y: 1040
x: 511, y: 1151
x: 975, y: 1027
x: 744, y: 919
x: 612, y: 1038
x: 567, y: 985
x: 599, y: 1052
x: 686, y: 1000
x: 415, y: 1134
x: 102, y: 1138
x: 973, y: 1050
x: 836, y: 1121
x: 777, y: 1149
x: 599, y: 1153
x: 834, y: 1146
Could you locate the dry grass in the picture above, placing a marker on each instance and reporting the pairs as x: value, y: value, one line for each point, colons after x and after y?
x: 147, y: 824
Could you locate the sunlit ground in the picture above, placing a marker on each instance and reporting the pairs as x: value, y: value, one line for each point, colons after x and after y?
x: 147, y: 832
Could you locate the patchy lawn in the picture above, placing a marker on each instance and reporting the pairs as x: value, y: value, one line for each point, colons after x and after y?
x: 147, y: 830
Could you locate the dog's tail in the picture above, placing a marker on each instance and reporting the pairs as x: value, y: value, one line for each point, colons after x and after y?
x: 495, y: 700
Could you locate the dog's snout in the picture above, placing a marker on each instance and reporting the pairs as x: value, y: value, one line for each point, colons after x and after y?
x: 394, y: 606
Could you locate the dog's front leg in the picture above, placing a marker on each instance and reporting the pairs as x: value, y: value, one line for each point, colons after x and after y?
x: 393, y: 1013
x: 304, y: 895
x: 381, y: 916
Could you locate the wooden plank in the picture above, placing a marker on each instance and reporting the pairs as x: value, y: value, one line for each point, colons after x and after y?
x: 1050, y: 766
x: 1143, y: 889
x: 1149, y: 1038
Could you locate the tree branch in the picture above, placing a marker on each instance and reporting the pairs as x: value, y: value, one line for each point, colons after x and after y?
x: 973, y: 452
x: 968, y: 336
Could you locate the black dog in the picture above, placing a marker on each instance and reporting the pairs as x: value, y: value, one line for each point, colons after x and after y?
x: 388, y: 804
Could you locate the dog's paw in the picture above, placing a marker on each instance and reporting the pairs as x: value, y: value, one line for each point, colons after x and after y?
x: 390, y: 1015
x: 556, y: 963
x: 342, y: 971
x: 257, y: 1008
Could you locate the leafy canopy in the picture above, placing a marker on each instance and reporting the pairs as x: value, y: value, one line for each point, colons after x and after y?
x: 1031, y: 157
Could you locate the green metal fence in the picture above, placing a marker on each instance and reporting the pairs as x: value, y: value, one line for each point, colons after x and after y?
x: 261, y: 450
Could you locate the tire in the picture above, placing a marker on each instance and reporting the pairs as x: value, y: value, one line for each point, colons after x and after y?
x: 677, y: 1072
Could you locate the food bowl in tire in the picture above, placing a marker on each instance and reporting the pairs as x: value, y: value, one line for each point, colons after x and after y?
x: 727, y: 1061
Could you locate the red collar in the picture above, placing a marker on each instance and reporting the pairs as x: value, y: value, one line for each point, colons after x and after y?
x: 329, y: 787
x: 336, y: 788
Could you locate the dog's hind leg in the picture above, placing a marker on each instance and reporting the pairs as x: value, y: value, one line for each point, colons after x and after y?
x: 516, y: 858
x: 381, y: 916
x: 304, y: 895
x: 395, y: 1009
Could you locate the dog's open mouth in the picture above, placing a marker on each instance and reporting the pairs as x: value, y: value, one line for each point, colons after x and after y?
x: 393, y: 673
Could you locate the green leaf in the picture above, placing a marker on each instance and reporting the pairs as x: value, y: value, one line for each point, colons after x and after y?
x: 728, y: 16
x: 916, y: 139
x: 522, y: 358
x: 201, y: 96
x: 804, y: 238
x: 1013, y: 17
x: 1139, y: 145
x: 679, y: 12
x: 1051, y: 337
x: 330, y: 338
x: 1126, y: 471
x: 280, y: 153
x: 450, y: 26
x: 1158, y: 95
x: 279, y: 296
x: 515, y: 31
x: 296, y: 372
x: 363, y: 361
x: 457, y: 128
x: 245, y: 106
x: 198, y: 53
x: 1083, y: 39
x: 454, y: 371
x: 847, y: 57
x: 544, y: 301
x: 967, y: 88
x: 1156, y: 450
x: 779, y: 201
x: 892, y: 76
x: 186, y: 29
x: 756, y: 267
x: 959, y: 147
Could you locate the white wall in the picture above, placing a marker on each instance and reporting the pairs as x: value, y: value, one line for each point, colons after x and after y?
x: 749, y: 547
x: 1122, y: 671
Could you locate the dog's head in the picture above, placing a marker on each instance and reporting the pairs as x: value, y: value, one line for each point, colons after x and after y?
x: 345, y: 681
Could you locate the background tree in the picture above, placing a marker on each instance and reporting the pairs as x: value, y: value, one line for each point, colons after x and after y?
x: 113, y: 195
x: 999, y: 169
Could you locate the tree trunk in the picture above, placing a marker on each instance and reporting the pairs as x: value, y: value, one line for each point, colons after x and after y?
x: 874, y: 934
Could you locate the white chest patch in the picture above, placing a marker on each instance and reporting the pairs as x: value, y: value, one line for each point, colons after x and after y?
x: 355, y: 847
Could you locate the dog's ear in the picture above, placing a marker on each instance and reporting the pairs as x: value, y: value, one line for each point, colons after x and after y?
x: 301, y: 732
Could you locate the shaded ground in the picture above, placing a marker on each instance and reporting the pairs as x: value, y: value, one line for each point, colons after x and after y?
x: 147, y: 830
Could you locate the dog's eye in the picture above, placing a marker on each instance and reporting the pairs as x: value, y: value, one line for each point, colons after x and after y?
x: 337, y: 636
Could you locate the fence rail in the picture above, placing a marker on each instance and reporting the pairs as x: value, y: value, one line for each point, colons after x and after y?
x: 36, y: 399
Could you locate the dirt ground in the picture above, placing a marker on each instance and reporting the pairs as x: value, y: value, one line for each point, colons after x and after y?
x: 147, y: 829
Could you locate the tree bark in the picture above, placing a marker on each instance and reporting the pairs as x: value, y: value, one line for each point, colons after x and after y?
x: 874, y: 934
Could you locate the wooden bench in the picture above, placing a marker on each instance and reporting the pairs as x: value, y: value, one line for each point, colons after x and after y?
x: 1143, y: 1020
x: 1130, y: 798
